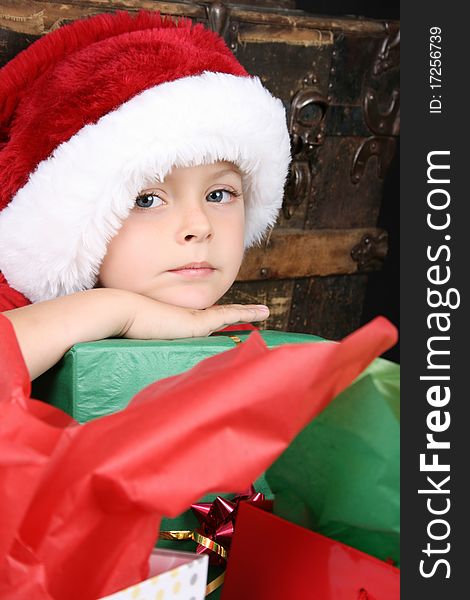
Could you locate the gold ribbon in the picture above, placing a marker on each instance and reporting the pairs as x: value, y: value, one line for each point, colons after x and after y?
x: 191, y: 534
x: 215, y: 583
x: 177, y: 535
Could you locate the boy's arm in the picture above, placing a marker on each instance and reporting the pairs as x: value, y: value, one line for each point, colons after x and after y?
x: 46, y: 330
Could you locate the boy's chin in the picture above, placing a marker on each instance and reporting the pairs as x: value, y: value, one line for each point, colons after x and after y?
x: 201, y: 305
x: 195, y: 301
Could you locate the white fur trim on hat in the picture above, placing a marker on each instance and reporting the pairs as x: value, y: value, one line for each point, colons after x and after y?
x: 54, y: 233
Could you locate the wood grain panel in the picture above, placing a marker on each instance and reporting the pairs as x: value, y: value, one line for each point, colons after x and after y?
x: 297, y: 253
x: 330, y: 307
x: 275, y: 294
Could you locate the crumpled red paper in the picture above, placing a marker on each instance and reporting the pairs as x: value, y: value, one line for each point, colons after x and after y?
x: 80, y: 505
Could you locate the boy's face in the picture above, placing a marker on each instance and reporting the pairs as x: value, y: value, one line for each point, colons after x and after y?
x: 183, y: 241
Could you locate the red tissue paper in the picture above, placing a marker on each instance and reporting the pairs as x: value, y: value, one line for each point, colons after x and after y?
x: 81, y: 504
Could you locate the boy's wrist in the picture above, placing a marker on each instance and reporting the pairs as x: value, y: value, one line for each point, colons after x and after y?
x: 107, y: 312
x: 118, y: 308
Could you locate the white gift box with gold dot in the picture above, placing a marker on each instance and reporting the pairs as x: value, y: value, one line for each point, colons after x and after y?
x: 173, y: 576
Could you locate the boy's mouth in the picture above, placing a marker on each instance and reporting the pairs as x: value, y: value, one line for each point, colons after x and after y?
x: 194, y: 269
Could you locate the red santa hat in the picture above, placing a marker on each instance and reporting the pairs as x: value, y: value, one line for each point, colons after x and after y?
x: 94, y: 111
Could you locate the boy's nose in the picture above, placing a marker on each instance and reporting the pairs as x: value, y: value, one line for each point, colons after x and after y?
x: 196, y: 226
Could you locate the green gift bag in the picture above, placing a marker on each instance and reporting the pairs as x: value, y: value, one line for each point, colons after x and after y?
x: 340, y: 476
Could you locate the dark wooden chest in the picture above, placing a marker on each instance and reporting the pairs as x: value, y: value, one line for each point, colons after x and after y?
x: 339, y: 81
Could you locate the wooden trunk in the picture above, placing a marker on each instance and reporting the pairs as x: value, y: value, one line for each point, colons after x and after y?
x: 339, y: 81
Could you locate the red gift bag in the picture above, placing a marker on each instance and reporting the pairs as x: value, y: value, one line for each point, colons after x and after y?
x: 272, y: 559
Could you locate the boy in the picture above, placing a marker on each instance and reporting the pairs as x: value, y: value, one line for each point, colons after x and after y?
x: 137, y: 161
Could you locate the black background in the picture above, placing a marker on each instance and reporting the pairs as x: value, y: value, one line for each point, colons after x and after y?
x: 422, y: 133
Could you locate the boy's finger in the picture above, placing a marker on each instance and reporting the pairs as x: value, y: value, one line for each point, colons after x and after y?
x: 237, y: 313
x: 240, y: 313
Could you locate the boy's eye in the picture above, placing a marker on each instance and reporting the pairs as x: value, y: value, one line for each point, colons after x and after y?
x: 221, y: 196
x: 148, y: 201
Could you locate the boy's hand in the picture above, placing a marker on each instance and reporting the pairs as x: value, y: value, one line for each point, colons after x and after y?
x: 151, y: 319
x: 46, y: 330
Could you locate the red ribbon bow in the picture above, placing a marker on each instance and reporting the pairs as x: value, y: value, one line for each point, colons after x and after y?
x: 217, y: 521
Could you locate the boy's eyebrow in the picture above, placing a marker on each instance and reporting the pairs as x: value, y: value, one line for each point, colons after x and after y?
x: 224, y: 172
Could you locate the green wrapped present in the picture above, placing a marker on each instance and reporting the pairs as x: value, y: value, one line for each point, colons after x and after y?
x: 119, y: 368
